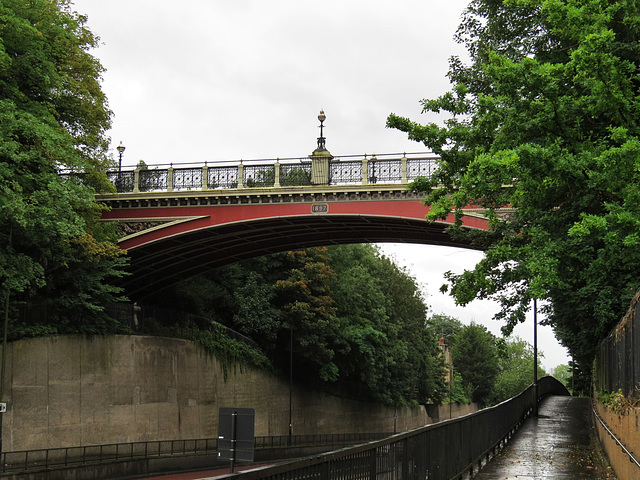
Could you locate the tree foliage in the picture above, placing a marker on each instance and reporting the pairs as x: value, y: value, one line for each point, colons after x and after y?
x: 355, y: 320
x: 476, y: 359
x: 544, y: 119
x: 564, y: 374
x: 444, y: 327
x: 53, y: 118
x: 515, y: 368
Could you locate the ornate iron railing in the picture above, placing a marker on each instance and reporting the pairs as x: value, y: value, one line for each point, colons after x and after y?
x: 290, y: 172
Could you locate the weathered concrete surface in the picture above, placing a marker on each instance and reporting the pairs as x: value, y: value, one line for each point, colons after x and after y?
x: 625, y: 425
x: 560, y: 444
x: 73, y: 391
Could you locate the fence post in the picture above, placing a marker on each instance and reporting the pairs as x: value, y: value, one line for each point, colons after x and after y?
x: 170, y: 179
x: 324, y: 471
x: 205, y: 177
x: 365, y: 170
x: 405, y: 458
x: 136, y: 180
x: 372, y: 464
x: 241, y: 175
x: 403, y: 169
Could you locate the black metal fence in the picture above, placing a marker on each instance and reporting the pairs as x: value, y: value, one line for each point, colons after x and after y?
x: 44, y: 459
x: 441, y: 451
x: 618, y: 361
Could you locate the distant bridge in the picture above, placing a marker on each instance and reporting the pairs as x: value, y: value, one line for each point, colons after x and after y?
x: 178, y: 221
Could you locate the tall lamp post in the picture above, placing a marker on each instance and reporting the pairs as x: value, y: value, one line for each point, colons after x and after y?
x: 3, y: 406
x: 535, y: 354
x: 121, y: 148
x: 321, y: 140
x: 290, y: 382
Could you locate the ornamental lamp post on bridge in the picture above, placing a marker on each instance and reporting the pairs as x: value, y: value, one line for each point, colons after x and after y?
x: 121, y: 148
x: 321, y: 157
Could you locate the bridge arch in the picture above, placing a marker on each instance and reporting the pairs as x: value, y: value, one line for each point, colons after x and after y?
x: 173, y: 235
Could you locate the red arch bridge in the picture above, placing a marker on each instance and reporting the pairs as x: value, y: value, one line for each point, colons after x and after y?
x: 179, y: 221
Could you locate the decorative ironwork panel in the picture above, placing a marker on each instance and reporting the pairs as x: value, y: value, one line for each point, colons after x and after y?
x: 385, y: 171
x: 124, y: 181
x: 421, y: 167
x: 129, y: 228
x: 259, y: 175
x: 187, y: 178
x: 295, y: 174
x: 345, y: 172
x: 77, y: 177
x: 223, y: 177
x: 153, y: 180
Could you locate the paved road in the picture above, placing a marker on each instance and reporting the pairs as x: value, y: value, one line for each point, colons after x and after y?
x: 560, y: 444
x: 200, y: 475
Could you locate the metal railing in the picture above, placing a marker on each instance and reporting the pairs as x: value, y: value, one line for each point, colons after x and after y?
x: 618, y: 360
x: 441, y: 451
x: 287, y: 172
x: 37, y: 460
x: 632, y: 459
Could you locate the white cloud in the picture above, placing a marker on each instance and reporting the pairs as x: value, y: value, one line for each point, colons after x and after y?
x: 212, y: 80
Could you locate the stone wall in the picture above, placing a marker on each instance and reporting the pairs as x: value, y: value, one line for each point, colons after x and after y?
x: 73, y: 391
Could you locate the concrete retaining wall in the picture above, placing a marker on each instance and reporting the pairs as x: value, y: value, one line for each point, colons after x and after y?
x: 627, y: 428
x: 74, y: 391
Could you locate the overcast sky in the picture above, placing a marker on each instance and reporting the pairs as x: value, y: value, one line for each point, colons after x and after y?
x: 211, y: 80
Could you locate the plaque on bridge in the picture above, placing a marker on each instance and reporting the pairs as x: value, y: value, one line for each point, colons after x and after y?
x: 236, y: 434
x: 320, y: 208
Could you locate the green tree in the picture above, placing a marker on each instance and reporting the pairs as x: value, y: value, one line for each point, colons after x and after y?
x: 307, y: 310
x: 370, y: 338
x: 476, y: 359
x: 564, y: 374
x: 419, y: 375
x: 515, y: 368
x: 358, y: 320
x: 543, y: 119
x: 53, y: 119
x: 445, y: 327
x: 388, y: 354
x: 459, y: 393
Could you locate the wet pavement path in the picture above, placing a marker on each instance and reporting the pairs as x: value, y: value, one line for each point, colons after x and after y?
x: 560, y: 444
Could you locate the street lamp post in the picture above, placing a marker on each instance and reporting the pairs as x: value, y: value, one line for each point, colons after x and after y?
x: 535, y: 354
x: 121, y: 148
x: 321, y: 140
x: 4, y: 352
x: 290, y: 382
x: 321, y: 157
